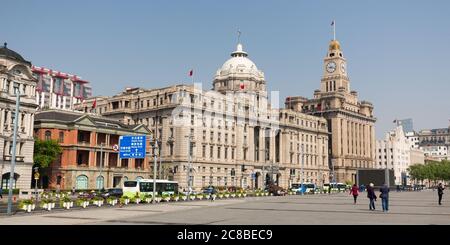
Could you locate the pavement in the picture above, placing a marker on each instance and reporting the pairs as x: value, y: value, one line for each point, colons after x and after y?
x: 406, y: 208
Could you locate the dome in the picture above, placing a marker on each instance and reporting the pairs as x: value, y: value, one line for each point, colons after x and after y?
x: 10, y: 54
x: 239, y: 63
x: 335, y: 45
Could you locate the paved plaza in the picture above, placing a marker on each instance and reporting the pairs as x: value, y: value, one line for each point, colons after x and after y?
x: 405, y: 208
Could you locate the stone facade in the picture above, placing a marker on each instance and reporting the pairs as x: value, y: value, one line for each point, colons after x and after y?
x: 350, y: 121
x: 435, y: 143
x: 236, y: 137
x: 16, y: 71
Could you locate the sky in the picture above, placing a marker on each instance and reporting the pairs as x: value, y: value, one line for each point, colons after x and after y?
x: 397, y: 51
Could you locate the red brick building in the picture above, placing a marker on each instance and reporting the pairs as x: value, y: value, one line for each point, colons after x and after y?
x: 88, y: 160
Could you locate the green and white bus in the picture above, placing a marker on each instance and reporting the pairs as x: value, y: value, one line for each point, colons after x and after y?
x: 145, y: 186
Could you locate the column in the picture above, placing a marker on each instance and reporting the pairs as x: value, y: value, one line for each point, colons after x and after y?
x: 8, y: 121
x: 42, y: 99
x: 2, y: 120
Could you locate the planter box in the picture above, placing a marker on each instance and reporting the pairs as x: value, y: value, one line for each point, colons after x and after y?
x: 184, y: 198
x: 233, y: 195
x: 192, y: 197
x: 200, y: 197
x: 175, y: 198
x: 244, y: 195
x: 167, y: 199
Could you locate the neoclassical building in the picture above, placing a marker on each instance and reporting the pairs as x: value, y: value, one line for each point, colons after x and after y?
x: 15, y: 71
x: 350, y: 121
x: 227, y: 136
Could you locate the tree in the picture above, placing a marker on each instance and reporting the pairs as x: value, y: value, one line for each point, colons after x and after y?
x: 45, y: 152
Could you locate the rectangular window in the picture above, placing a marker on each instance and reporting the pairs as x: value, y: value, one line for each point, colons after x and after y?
x: 204, y: 151
x: 218, y: 152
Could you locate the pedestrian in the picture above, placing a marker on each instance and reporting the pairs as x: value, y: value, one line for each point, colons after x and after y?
x: 354, y: 191
x: 213, y: 194
x: 73, y: 190
x: 329, y: 189
x: 440, y: 192
x: 1, y: 192
x: 384, y: 195
x: 372, y: 197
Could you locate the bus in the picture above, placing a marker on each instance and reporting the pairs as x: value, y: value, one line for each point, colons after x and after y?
x: 335, y: 187
x: 307, y: 188
x: 145, y: 186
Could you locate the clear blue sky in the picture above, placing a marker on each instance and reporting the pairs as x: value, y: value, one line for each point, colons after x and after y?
x: 398, y: 52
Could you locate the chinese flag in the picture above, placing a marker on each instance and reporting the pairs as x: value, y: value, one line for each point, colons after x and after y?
x: 242, y: 85
x: 94, y: 104
x: 191, y: 72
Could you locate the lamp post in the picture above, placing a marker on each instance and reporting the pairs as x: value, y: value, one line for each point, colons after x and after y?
x: 100, y: 187
x: 13, y: 157
x: 36, y: 178
x: 155, y: 147
x: 303, y: 163
x: 189, y: 182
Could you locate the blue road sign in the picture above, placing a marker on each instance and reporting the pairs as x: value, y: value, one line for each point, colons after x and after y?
x: 132, y: 146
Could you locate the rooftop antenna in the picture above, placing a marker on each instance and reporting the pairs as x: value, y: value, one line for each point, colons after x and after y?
x: 333, y: 24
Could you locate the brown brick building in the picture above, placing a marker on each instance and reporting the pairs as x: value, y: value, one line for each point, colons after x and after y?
x: 88, y: 160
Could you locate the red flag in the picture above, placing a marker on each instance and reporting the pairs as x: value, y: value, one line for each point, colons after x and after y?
x: 191, y: 72
x: 319, y: 107
x: 242, y: 85
x: 94, y: 104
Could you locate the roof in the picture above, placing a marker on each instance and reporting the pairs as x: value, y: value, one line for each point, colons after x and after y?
x: 10, y: 54
x: 73, y: 117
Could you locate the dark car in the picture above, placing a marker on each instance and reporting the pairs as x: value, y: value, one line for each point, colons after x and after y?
x: 276, y: 190
x: 113, y: 192
x: 210, y: 190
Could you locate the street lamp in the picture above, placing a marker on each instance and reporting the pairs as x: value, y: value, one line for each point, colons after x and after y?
x: 189, y: 169
x: 303, y: 163
x: 36, y: 177
x: 100, y: 187
x: 154, y: 144
x: 13, y: 157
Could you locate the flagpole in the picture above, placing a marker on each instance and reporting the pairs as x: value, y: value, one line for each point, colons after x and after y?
x: 334, y: 30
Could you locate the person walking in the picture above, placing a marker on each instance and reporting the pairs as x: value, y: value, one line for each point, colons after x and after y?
x: 372, y: 197
x: 1, y: 192
x: 384, y: 195
x: 354, y: 191
x: 440, y: 192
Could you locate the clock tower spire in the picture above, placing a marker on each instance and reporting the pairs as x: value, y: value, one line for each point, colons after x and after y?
x: 335, y: 77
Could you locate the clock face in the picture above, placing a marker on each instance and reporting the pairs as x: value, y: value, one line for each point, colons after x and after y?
x: 331, y: 67
x: 343, y: 68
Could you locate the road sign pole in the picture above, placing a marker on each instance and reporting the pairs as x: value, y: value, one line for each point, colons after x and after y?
x: 155, y: 147
x: 13, y: 157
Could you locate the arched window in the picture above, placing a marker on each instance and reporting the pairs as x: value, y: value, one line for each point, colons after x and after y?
x: 82, y: 182
x: 61, y: 137
x: 48, y: 135
x: 100, y: 182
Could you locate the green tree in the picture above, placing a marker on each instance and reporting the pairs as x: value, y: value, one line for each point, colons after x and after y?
x: 45, y: 152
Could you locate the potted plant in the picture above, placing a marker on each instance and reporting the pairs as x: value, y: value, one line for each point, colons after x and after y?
x: 200, y: 196
x: 165, y: 197
x: 124, y: 200
x: 175, y: 197
x: 158, y: 198
x: 111, y: 201
x: 220, y: 195
x: 26, y: 205
x: 136, y: 199
x: 227, y: 194
x: 98, y: 201
x: 244, y: 194
x: 46, y: 204
x: 213, y: 196
x: 83, y: 202
x: 147, y: 198
x: 233, y: 195
x: 192, y: 196
x: 66, y: 202
x: 183, y: 196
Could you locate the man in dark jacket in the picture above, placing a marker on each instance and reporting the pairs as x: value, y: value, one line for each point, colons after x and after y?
x: 440, y: 192
x: 372, y: 197
x: 385, y: 197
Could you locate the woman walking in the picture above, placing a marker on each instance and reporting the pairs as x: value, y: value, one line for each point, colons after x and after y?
x: 385, y: 197
x: 354, y: 191
x: 372, y: 197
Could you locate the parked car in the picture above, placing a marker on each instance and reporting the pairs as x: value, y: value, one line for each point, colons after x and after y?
x: 209, y: 190
x: 113, y: 192
x: 276, y: 190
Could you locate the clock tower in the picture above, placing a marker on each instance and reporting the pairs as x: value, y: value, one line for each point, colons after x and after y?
x: 351, y: 122
x: 334, y: 70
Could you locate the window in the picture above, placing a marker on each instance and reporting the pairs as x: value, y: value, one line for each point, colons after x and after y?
x: 211, y: 149
x: 99, y: 182
x: 48, y: 135
x: 204, y: 151
x: 61, y: 137
x: 218, y: 152
x: 82, y: 182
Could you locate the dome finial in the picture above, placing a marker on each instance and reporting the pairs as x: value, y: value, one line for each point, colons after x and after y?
x: 5, y: 44
x: 239, y: 36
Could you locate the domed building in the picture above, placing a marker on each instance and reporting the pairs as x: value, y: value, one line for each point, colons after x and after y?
x: 16, y: 76
x: 229, y: 136
x: 239, y: 74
